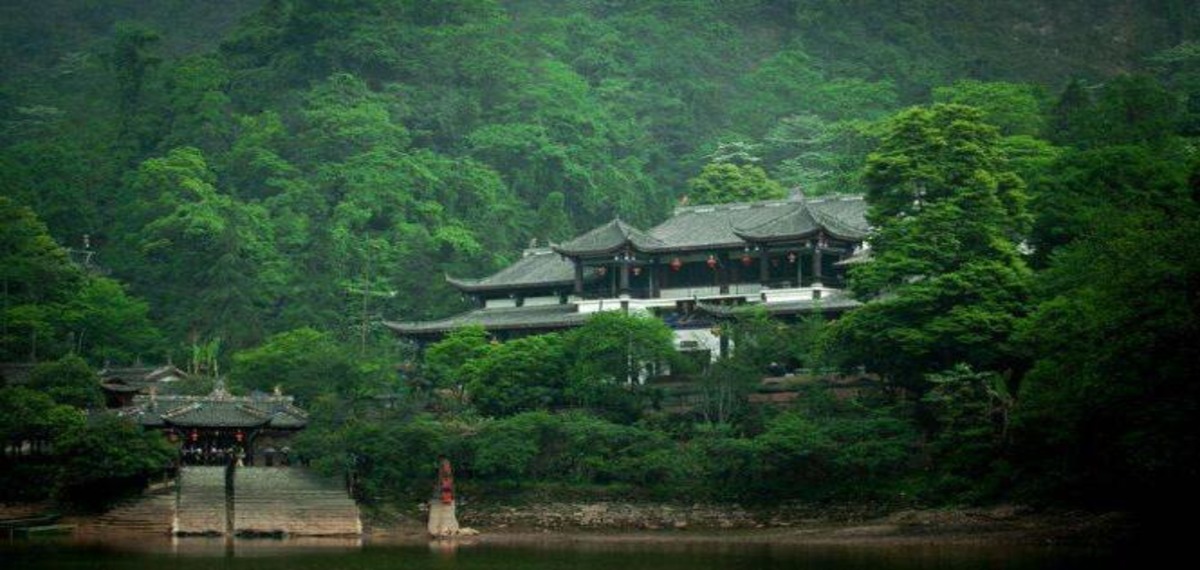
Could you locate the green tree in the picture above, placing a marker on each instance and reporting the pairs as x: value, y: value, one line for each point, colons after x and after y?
x: 107, y: 457
x: 970, y: 443
x: 225, y: 247
x: 1110, y: 398
x: 524, y: 374
x: 726, y: 182
x: 31, y: 416
x: 307, y: 364
x: 946, y: 273
x: 1015, y: 108
x: 68, y: 381
x: 108, y: 324
x: 36, y: 277
x: 449, y: 362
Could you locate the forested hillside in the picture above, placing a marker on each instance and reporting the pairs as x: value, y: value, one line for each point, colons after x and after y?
x: 272, y: 178
x: 246, y: 167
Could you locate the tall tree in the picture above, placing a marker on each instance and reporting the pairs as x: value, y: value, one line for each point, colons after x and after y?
x: 945, y: 270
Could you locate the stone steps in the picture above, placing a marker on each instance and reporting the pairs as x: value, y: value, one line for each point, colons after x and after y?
x: 267, y: 501
x: 149, y: 514
x: 201, y: 504
x: 292, y: 501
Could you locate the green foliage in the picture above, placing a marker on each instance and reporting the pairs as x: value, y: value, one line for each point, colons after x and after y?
x: 271, y: 166
x: 28, y: 415
x: 106, y: 455
x: 820, y: 157
x: 1015, y: 108
x: 449, y: 362
x: 1110, y: 398
x: 306, y: 364
x: 36, y: 277
x: 68, y: 381
x: 971, y: 411
x: 612, y: 355
x: 945, y: 267
x: 520, y: 375
x: 391, y: 460
x: 722, y: 182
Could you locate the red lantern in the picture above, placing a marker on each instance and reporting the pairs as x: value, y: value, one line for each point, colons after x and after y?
x: 712, y: 262
x: 637, y: 271
x: 746, y: 260
x: 195, y: 436
x: 601, y: 271
x: 239, y: 436
x: 791, y: 257
x: 676, y: 264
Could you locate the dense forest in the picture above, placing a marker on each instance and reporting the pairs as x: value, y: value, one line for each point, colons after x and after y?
x: 256, y: 184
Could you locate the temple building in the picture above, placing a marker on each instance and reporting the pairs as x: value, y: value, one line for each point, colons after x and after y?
x: 214, y: 428
x: 120, y: 385
x: 700, y: 265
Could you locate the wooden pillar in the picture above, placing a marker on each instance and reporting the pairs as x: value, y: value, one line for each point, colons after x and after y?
x: 764, y: 266
x: 578, y: 276
x: 816, y: 263
x: 652, y: 279
x: 723, y: 272
x: 624, y: 285
x: 799, y: 270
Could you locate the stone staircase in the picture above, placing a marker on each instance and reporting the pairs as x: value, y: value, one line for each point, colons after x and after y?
x: 291, y: 501
x: 148, y: 514
x: 201, y: 505
x: 266, y: 501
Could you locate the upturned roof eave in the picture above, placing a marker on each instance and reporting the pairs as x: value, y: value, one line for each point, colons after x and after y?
x: 475, y: 285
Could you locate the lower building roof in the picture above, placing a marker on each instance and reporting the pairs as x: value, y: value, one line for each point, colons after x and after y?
x: 217, y: 411
x: 834, y: 302
x: 540, y: 317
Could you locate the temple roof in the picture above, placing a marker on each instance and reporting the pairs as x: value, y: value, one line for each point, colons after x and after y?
x: 840, y: 217
x: 712, y: 226
x: 217, y: 410
x: 729, y: 225
x: 540, y: 267
x: 505, y: 318
x: 139, y: 378
x: 838, y: 301
x: 611, y: 237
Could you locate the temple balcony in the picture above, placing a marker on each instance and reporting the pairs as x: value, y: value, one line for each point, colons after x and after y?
x: 815, y: 291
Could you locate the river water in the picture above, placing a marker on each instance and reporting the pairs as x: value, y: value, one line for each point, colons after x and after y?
x: 203, y: 554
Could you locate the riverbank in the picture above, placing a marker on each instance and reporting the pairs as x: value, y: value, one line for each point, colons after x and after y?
x: 610, y: 522
x: 652, y: 523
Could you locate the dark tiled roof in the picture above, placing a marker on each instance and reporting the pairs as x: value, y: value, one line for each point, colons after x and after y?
x: 217, y: 410
x: 217, y: 414
x: 834, y: 302
x: 537, y: 268
x: 123, y: 388
x: 506, y: 318
x: 842, y: 217
x: 142, y: 373
x: 609, y: 238
x: 711, y: 226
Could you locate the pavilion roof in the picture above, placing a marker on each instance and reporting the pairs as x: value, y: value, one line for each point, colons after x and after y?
x: 842, y: 217
x: 540, y: 317
x: 714, y: 226
x: 217, y: 410
x: 609, y: 238
x: 538, y: 267
x: 837, y: 301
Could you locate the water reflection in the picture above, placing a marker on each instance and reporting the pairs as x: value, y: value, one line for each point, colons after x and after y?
x: 583, y: 553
